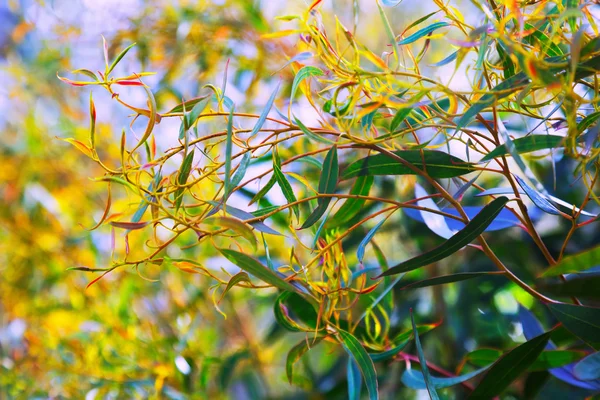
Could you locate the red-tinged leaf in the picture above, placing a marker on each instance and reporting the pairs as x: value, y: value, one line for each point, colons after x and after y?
x: 129, y: 225
x: 76, y: 83
x: 106, y: 210
x: 98, y: 278
x: 314, y: 4
x: 129, y: 83
x: 81, y: 147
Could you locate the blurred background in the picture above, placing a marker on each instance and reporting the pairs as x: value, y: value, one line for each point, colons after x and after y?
x: 130, y: 337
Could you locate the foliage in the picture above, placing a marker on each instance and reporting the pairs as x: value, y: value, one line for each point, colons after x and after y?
x: 290, y: 227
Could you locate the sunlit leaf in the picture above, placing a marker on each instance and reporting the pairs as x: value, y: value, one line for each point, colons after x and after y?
x: 422, y: 32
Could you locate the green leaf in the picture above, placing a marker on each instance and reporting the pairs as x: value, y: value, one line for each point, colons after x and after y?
x: 190, y: 118
x: 297, y: 352
x: 509, y: 367
x: 588, y: 121
x: 385, y: 355
x: 289, y: 305
x: 243, y: 215
x: 527, y: 144
x: 445, y: 279
x: 302, y: 74
x: 255, y: 268
x: 364, y: 362
x: 119, y: 57
x: 237, y: 226
x: 422, y: 32
x: 265, y: 112
x: 353, y: 206
x: 388, y: 28
x: 582, y: 287
x: 437, y: 164
x: 235, y: 279
x: 312, y: 136
x: 589, y: 368
x: 236, y: 179
x: 425, y: 370
x: 182, y: 177
x: 400, y: 116
x: 286, y: 188
x: 190, y: 104
x: 264, y: 190
x: 575, y: 263
x: 462, y: 238
x: 546, y: 360
x: 582, y: 321
x: 327, y: 185
x: 228, y: 150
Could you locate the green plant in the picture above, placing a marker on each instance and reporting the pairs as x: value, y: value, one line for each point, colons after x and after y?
x: 384, y: 127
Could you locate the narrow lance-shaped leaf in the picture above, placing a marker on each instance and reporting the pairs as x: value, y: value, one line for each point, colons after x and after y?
x: 243, y: 215
x: 228, y: 150
x: 189, y: 104
x: 539, y: 200
x: 237, y: 226
x: 364, y: 362
x: 437, y: 164
x: 360, y: 252
x: 92, y: 122
x: 255, y: 268
x: 422, y: 32
x: 265, y: 112
x: 509, y: 367
x: 327, y: 185
x: 286, y: 188
x: 352, y: 206
x: 237, y: 278
x: 264, y: 190
x: 236, y: 179
x: 527, y: 144
x: 445, y: 279
x: 118, y: 58
x: 462, y: 238
x: 425, y: 370
x: 415, y: 379
x: 182, y: 177
x: 311, y: 135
